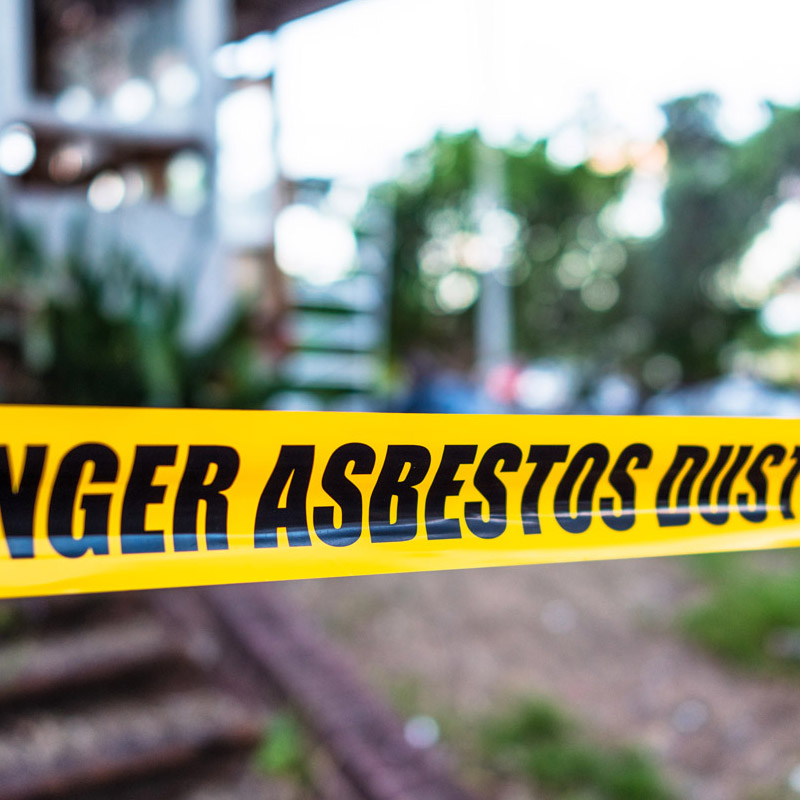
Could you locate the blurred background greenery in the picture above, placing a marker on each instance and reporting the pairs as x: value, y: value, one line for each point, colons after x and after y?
x: 600, y: 308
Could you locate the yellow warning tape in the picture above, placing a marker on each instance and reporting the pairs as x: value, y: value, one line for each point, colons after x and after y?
x: 99, y: 499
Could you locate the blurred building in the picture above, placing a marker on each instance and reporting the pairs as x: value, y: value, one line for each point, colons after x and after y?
x: 152, y: 124
x: 107, y: 114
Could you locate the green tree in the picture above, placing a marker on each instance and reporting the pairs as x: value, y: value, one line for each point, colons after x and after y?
x: 580, y: 289
x: 556, y: 212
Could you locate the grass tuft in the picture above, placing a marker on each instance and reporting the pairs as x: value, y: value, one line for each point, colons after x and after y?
x: 284, y: 751
x: 541, y: 744
x: 753, y: 621
x: 751, y: 615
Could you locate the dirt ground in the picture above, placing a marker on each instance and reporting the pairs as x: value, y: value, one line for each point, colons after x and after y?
x: 596, y: 638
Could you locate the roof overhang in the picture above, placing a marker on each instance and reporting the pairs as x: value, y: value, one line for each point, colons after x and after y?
x: 254, y: 16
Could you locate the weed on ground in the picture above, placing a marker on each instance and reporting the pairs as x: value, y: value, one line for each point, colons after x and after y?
x: 751, y: 615
x: 540, y: 744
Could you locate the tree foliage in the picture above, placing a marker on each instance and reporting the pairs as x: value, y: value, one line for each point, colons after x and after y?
x: 555, y: 209
x: 582, y: 289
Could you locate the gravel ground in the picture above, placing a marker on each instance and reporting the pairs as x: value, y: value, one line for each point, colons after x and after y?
x: 594, y: 637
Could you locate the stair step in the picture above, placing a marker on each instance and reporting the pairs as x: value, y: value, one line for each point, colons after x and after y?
x: 44, y: 754
x: 35, y: 666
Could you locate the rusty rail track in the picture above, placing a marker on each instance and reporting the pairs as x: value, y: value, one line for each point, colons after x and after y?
x: 167, y: 695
